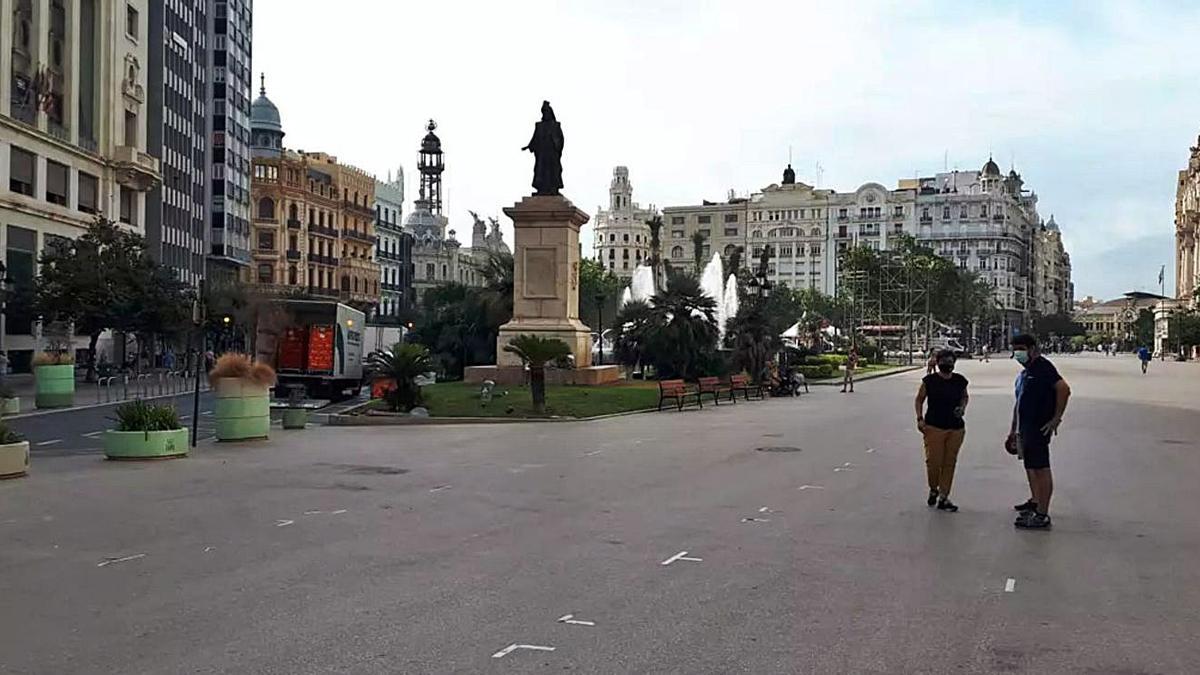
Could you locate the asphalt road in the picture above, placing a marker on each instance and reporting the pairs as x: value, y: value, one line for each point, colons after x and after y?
x: 674, y: 543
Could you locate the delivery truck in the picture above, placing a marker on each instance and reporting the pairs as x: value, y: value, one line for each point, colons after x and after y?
x: 314, y: 343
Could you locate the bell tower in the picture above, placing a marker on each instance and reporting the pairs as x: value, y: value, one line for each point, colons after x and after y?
x: 431, y: 165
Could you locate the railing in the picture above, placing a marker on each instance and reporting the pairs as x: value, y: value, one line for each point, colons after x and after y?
x: 321, y: 229
x: 293, y: 223
x: 359, y: 236
x: 146, y: 385
x: 293, y: 255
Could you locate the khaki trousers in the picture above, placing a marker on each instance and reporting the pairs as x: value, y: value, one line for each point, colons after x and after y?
x: 941, y: 455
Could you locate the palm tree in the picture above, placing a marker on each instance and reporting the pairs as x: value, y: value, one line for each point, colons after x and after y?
x: 401, y: 364
x: 656, y: 225
x: 634, y: 324
x: 684, y: 333
x: 536, y: 352
x: 698, y: 240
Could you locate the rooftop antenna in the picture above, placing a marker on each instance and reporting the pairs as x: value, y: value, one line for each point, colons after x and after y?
x: 789, y: 155
x: 820, y: 171
x: 945, y: 160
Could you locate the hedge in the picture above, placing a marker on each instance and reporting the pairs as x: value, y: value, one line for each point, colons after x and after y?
x: 824, y: 370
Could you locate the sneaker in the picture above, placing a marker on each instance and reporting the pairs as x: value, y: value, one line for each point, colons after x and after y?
x: 933, y: 495
x: 1029, y: 505
x: 946, y: 505
x: 1036, y: 521
x: 1023, y: 518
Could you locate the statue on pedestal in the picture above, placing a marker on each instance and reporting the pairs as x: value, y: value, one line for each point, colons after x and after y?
x: 547, y: 146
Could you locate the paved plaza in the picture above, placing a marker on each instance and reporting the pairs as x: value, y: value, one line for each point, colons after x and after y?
x: 664, y: 543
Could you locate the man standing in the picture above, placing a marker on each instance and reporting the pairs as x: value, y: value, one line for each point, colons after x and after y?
x: 851, y: 365
x: 1144, y: 357
x: 1042, y: 396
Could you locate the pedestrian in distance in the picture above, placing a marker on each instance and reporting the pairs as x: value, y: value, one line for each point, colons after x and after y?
x: 931, y: 362
x: 1042, y: 395
x: 851, y: 366
x: 1144, y: 357
x: 987, y: 353
x: 942, y: 427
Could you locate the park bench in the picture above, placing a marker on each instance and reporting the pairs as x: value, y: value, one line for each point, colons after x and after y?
x: 678, y: 390
x: 743, y: 384
x: 713, y: 386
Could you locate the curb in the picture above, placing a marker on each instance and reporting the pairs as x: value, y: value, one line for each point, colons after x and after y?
x: 837, y: 382
x: 89, y: 406
x: 345, y: 420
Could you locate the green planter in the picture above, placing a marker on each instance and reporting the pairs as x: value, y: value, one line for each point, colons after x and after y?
x: 295, y: 418
x: 243, y: 410
x: 10, y: 406
x: 55, y: 386
x: 14, y: 460
x: 146, y: 444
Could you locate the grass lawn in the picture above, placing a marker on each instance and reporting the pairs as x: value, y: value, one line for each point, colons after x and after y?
x: 455, y: 399
x: 870, y: 369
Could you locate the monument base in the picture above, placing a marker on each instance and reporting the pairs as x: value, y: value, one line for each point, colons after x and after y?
x: 515, y: 375
x: 573, y: 332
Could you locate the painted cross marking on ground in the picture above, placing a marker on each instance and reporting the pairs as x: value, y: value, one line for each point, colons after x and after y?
x: 112, y: 561
x: 1010, y: 585
x: 440, y: 488
x: 682, y: 555
x: 571, y: 620
x: 810, y: 487
x: 514, y: 647
x: 283, y: 523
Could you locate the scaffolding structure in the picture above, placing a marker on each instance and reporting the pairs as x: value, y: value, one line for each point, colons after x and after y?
x: 889, y: 303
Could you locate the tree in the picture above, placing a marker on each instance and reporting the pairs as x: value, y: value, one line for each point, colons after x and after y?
x: 401, y: 365
x: 1060, y: 325
x: 634, y: 325
x: 698, y: 240
x: 676, y: 332
x: 597, y: 282
x: 1183, y: 330
x: 1143, y: 328
x: 102, y: 281
x: 536, y: 352
x: 656, y: 224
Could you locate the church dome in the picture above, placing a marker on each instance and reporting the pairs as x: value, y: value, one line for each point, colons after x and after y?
x: 1051, y: 225
x: 991, y: 168
x: 263, y: 114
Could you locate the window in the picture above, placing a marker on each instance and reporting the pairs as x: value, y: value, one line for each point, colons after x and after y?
x: 88, y: 187
x: 731, y: 232
x: 612, y: 253
x: 945, y: 213
x: 625, y: 253
x: 131, y: 126
x: 756, y: 234
x: 677, y: 234
x: 128, y: 206
x: 814, y: 250
x: 704, y: 220
x: 21, y: 171
x: 731, y: 217
x: 612, y: 237
x: 292, y: 215
x: 428, y: 270
x: 266, y: 209
x: 898, y: 211
x: 842, y: 214
x: 897, y: 228
x: 625, y: 237
x: 677, y: 252
x: 842, y: 231
x: 925, y: 213
x: 266, y: 241
x: 704, y: 233
x: 265, y: 274
x: 964, y: 212
x: 983, y: 210
x: 131, y: 21
x: 56, y: 183
x: 676, y: 220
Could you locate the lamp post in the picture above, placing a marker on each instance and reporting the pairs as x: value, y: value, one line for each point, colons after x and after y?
x: 8, y: 287
x: 600, y: 325
x: 198, y: 315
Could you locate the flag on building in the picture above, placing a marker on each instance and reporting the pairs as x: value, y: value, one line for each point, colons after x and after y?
x: 1162, y: 270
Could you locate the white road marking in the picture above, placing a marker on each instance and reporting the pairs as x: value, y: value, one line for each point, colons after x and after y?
x: 283, y: 523
x: 682, y: 555
x: 810, y: 487
x: 870, y: 449
x: 338, y: 512
x: 209, y: 548
x: 1010, y: 585
x: 206, y: 413
x: 92, y: 434
x: 594, y: 452
x: 113, y: 561
x: 440, y: 488
x: 512, y: 648
x: 312, y: 513
x: 50, y: 442
x: 842, y: 468
x: 847, y: 464
x: 570, y: 619
x: 756, y: 520
x: 765, y: 510
x: 185, y: 417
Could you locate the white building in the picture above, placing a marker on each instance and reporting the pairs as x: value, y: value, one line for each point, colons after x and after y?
x: 622, y: 237
x: 394, y: 248
x: 73, y: 96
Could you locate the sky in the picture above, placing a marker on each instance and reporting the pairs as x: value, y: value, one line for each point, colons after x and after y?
x: 1095, y: 103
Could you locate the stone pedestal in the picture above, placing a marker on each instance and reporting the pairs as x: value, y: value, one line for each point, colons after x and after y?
x: 546, y: 277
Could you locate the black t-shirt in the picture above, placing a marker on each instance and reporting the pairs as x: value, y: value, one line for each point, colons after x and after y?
x: 942, y: 396
x: 1037, y: 400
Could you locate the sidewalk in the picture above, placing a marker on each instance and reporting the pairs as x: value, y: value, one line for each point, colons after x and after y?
x: 91, y: 393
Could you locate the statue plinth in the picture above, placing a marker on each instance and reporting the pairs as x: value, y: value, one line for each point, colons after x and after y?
x: 546, y: 277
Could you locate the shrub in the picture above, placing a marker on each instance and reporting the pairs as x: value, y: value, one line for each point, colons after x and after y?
x: 825, y: 370
x: 7, y: 391
x: 8, y: 436
x: 233, y: 364
x: 836, y: 360
x: 137, y: 415
x: 870, y: 353
x: 54, y: 358
x: 400, y: 366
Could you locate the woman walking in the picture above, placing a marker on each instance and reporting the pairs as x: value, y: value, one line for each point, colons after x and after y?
x: 942, y: 426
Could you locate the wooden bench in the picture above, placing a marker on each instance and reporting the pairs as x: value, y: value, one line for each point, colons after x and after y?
x: 743, y: 384
x: 678, y: 390
x: 714, y: 386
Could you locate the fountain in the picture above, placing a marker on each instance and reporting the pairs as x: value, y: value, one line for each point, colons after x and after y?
x: 731, y: 296
x: 641, y: 289
x: 711, y: 284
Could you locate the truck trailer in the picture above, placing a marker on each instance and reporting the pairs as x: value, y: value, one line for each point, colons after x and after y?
x: 317, y: 344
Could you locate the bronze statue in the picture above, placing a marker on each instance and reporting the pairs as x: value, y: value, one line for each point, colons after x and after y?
x: 547, y: 146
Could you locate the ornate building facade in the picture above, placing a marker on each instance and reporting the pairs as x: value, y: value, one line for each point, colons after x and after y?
x: 73, y: 141
x: 394, y: 250
x: 622, y: 237
x: 313, y: 220
x: 1187, y: 229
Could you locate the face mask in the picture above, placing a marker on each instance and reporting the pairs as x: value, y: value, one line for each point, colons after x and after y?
x: 946, y: 367
x: 1021, y: 356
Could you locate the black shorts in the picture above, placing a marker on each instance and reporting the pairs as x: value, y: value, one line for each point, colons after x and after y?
x: 1037, y: 451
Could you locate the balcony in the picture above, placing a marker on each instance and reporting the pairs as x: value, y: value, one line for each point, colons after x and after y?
x: 360, y: 236
x: 268, y: 252
x: 322, y: 230
x: 293, y: 255
x: 926, y: 220
x: 322, y: 259
x: 136, y: 169
x: 395, y: 288
x: 293, y: 223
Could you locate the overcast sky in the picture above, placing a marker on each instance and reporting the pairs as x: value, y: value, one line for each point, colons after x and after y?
x: 1096, y: 103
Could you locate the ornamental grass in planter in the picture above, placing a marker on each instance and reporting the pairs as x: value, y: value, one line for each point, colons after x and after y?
x: 54, y: 379
x: 242, y: 388
x: 10, y: 403
x: 146, y: 431
x: 14, y: 453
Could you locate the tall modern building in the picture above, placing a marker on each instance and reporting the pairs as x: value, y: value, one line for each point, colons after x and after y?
x: 229, y: 178
x: 73, y: 134
x: 177, y: 215
x: 622, y: 237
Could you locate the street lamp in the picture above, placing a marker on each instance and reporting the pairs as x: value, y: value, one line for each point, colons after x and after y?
x: 600, y: 325
x: 8, y: 287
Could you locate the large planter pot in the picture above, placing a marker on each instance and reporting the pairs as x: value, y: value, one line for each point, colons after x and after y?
x: 243, y: 410
x: 55, y: 386
x: 146, y: 444
x: 10, y: 406
x: 295, y: 418
x: 14, y: 460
